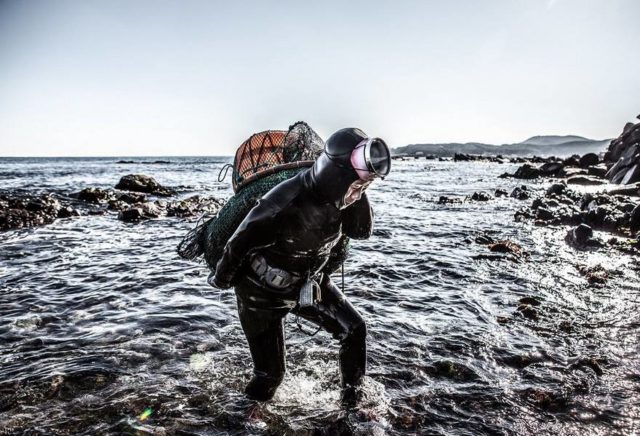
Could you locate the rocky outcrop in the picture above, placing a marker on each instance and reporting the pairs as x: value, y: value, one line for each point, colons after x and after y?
x: 588, y: 160
x: 144, y: 162
x: 586, y: 212
x: 507, y: 246
x: 574, y: 166
x: 189, y: 207
x: 520, y: 193
x: 584, y: 180
x: 142, y: 183
x: 581, y: 237
x: 99, y: 195
x: 31, y: 211
x: 481, y: 196
x: 623, y: 156
x: 464, y: 157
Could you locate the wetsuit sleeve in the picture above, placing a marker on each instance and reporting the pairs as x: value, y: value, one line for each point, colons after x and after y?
x: 257, y: 230
x: 357, y: 219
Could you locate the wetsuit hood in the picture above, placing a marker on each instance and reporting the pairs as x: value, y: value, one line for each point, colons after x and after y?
x: 332, y: 173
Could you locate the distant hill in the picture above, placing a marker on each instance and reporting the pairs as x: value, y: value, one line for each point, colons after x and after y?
x: 555, y: 139
x: 551, y: 145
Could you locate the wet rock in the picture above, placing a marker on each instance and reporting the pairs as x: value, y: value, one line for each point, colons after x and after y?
x: 31, y: 211
x: 602, y: 217
x: 584, y: 180
x: 626, y: 207
x: 595, y: 274
x: 131, y: 215
x: 96, y: 195
x: 461, y: 157
x: 556, y: 189
x: 193, y: 206
x: 588, y: 160
x: 531, y: 301
x: 448, y: 200
x: 624, y: 155
x: 631, y: 190
x: 582, y: 233
x: 132, y: 197
x: 538, y: 202
x: 547, y: 400
x: 544, y: 214
x: 151, y: 210
x: 481, y: 196
x: 67, y: 212
x: 552, y: 204
x: 143, y: 183
x: 527, y: 171
x: 493, y: 257
x: 582, y: 237
x: 521, y: 361
x: 632, y: 175
x: 189, y: 207
x: 520, y: 193
x: 551, y: 168
x: 565, y: 326
x: 570, y: 172
x: 634, y: 219
x: 597, y: 171
x: 590, y: 201
x: 571, y: 161
x: 117, y: 205
x: 528, y: 311
x: 500, y: 193
x: 507, y: 246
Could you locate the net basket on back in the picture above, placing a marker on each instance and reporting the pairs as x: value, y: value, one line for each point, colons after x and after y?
x: 261, y: 162
x: 272, y: 151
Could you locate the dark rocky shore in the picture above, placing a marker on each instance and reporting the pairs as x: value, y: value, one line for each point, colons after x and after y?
x: 615, y: 211
x: 136, y: 197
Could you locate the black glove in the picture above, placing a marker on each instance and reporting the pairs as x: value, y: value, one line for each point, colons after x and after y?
x: 215, y: 281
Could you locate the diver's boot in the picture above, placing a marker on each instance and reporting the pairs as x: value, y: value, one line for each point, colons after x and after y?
x: 353, y: 359
x: 262, y: 388
x: 350, y: 397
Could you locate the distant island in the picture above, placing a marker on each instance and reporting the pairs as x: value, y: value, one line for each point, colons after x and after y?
x: 550, y: 145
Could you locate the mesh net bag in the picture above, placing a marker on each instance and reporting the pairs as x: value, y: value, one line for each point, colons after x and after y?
x: 262, y: 162
x: 272, y: 151
x: 219, y: 229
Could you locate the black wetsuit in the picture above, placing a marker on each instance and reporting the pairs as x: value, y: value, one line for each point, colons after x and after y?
x: 294, y: 227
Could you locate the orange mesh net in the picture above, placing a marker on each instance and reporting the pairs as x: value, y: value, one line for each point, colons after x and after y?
x: 271, y: 151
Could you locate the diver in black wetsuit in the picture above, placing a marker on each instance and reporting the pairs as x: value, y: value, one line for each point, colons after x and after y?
x: 276, y: 256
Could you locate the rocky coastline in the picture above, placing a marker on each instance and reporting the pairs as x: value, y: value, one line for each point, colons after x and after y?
x: 136, y: 197
x: 613, y: 210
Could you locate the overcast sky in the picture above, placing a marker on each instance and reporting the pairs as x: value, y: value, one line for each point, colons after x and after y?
x: 198, y: 77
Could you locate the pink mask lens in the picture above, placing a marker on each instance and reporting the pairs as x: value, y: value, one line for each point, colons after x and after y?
x: 359, y: 163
